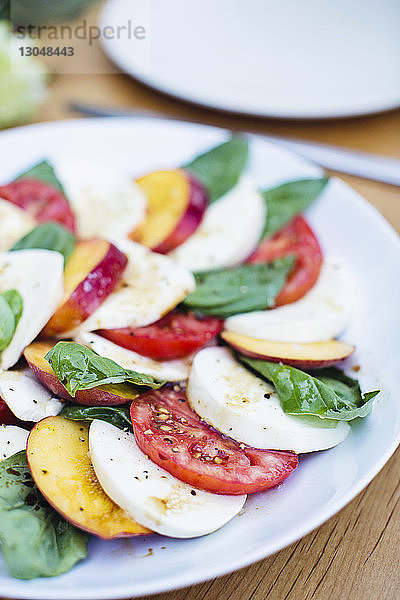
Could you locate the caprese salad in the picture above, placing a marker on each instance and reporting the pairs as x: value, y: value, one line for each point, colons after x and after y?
x: 167, y: 346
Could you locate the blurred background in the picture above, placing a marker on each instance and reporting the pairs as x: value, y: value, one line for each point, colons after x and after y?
x: 316, y: 70
x: 291, y: 60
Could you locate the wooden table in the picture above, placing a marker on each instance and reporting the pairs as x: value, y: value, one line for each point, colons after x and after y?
x: 356, y: 553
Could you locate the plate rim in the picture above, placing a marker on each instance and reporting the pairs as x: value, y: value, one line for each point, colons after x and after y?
x: 123, y: 64
x: 210, y: 572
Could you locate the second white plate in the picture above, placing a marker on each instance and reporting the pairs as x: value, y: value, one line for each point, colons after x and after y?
x: 287, y: 59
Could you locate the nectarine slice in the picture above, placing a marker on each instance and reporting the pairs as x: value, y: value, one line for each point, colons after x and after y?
x: 58, y: 456
x: 91, y: 273
x: 176, y: 205
x: 103, y: 395
x: 306, y: 356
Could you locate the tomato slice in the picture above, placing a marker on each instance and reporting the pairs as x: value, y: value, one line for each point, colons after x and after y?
x: 42, y: 201
x: 6, y: 416
x: 174, y: 437
x: 296, y: 239
x: 174, y: 336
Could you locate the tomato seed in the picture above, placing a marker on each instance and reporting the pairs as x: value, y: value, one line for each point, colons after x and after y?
x: 165, y: 428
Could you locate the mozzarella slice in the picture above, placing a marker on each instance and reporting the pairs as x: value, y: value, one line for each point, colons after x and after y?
x: 12, y: 440
x: 229, y: 232
x: 38, y: 277
x: 26, y: 397
x: 106, y: 204
x: 246, y: 408
x: 321, y: 315
x: 152, y: 285
x: 167, y: 370
x: 150, y: 494
x: 14, y: 224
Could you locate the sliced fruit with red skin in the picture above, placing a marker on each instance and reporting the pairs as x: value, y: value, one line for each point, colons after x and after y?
x: 303, y: 356
x: 152, y: 285
x: 176, y: 206
x: 41, y: 200
x: 91, y: 273
x: 58, y: 457
x: 6, y: 416
x: 104, y: 395
x: 176, y: 335
x: 175, y: 438
x: 296, y: 239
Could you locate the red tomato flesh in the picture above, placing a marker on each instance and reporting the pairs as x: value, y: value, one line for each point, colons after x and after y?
x: 296, y: 239
x: 175, y: 438
x: 174, y: 336
x: 42, y: 201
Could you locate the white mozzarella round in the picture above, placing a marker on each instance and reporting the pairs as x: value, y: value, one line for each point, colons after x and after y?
x: 106, y: 203
x: 150, y: 494
x: 28, y: 399
x: 167, y: 370
x: 229, y: 232
x: 151, y: 286
x: 38, y: 276
x: 321, y: 315
x: 12, y: 440
x: 246, y: 408
x: 14, y: 224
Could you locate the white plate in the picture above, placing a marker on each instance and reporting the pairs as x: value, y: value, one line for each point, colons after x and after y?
x: 288, y: 58
x: 324, y: 482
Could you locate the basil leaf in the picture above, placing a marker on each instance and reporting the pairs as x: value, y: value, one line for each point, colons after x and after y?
x: 330, y: 394
x: 7, y: 323
x: 79, y: 368
x: 36, y: 541
x: 15, y: 302
x: 226, y: 292
x: 220, y: 168
x: 45, y: 172
x: 288, y: 200
x: 48, y: 236
x: 11, y: 307
x: 119, y: 416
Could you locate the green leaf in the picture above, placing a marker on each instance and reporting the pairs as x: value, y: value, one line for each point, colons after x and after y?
x: 79, y: 368
x: 226, y: 292
x: 119, y: 416
x: 36, y: 541
x: 7, y: 323
x: 15, y: 302
x: 5, y: 9
x: 45, y: 172
x: 40, y: 12
x: 220, y: 168
x: 329, y: 395
x: 288, y: 200
x: 48, y: 236
x: 11, y: 307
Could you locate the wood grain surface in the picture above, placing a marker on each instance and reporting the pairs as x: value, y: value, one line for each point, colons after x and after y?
x: 355, y: 555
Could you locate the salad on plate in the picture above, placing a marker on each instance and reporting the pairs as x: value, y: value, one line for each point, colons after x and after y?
x: 168, y: 346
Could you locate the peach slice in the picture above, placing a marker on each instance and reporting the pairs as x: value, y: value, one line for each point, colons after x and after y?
x: 104, y: 395
x: 58, y: 456
x: 92, y: 272
x: 302, y: 356
x: 176, y: 206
